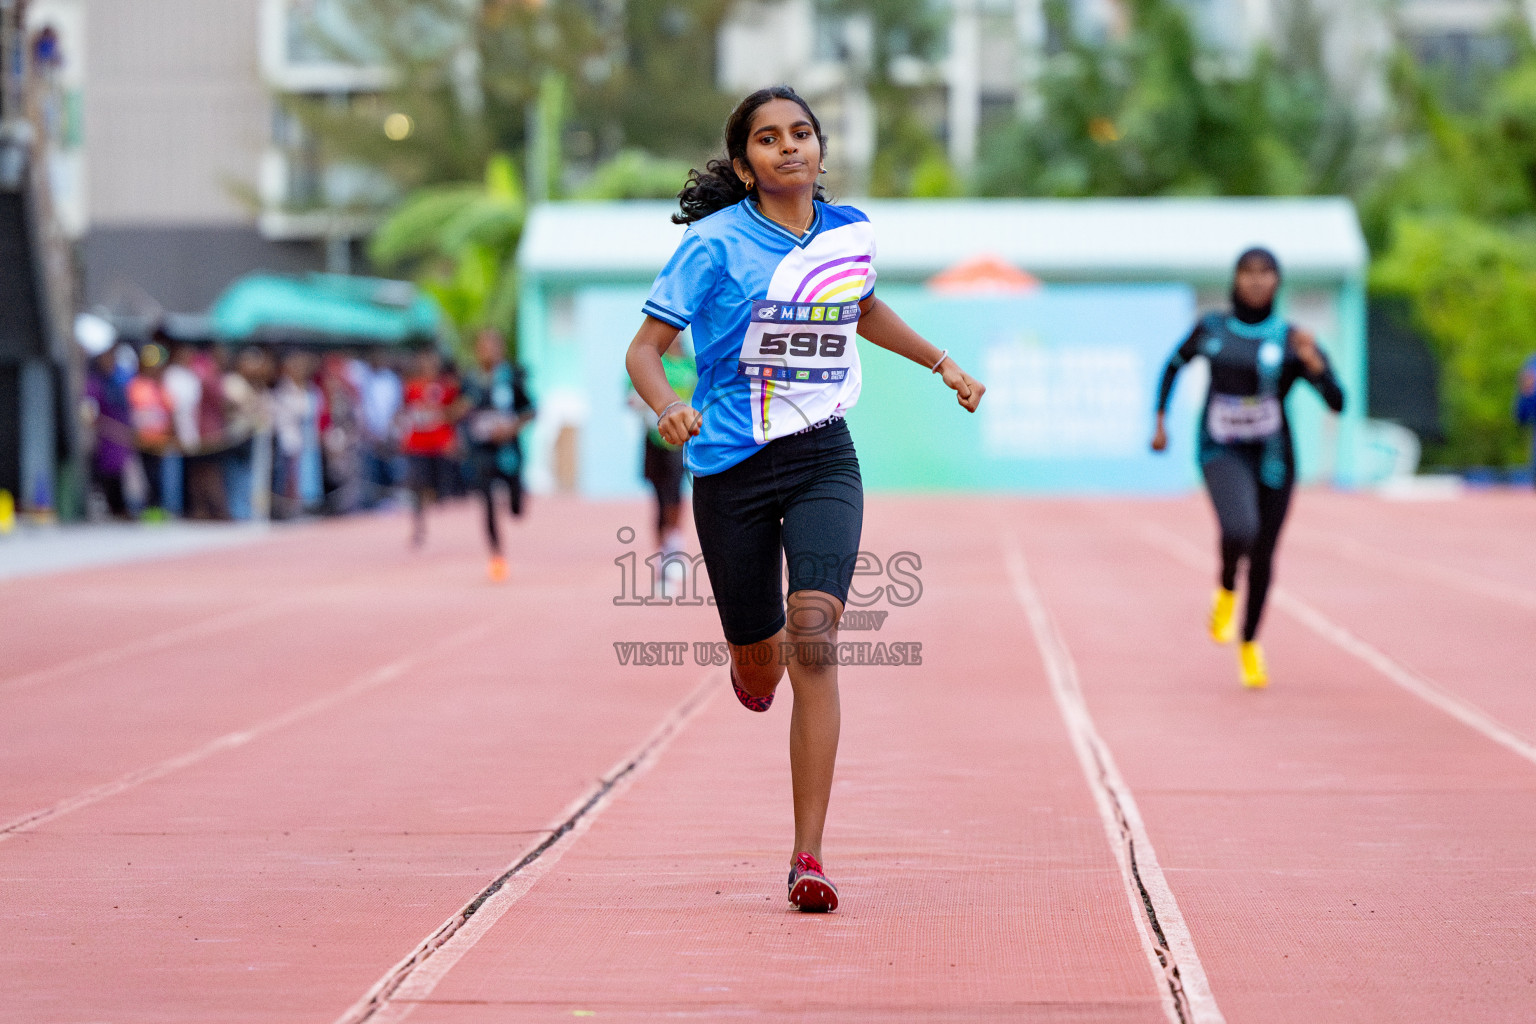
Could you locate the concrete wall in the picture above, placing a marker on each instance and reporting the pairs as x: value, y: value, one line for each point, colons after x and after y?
x: 183, y: 268
x: 176, y: 121
x: 176, y: 114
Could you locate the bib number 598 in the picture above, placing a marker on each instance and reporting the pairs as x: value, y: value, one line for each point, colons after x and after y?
x: 804, y: 345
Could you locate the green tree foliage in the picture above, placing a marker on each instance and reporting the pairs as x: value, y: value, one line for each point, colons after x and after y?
x: 909, y: 158
x: 934, y: 178
x: 600, y: 81
x: 910, y: 162
x: 1472, y: 288
x: 1153, y: 114
x: 470, y: 75
x: 460, y: 241
x: 661, y: 96
x: 1476, y: 158
x: 1455, y: 224
x: 635, y: 174
x: 467, y: 75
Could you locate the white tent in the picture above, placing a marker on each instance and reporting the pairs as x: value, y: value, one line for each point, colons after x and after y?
x: 1318, y: 240
x: 572, y: 254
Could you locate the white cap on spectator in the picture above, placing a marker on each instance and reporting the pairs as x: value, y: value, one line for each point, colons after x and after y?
x: 94, y: 334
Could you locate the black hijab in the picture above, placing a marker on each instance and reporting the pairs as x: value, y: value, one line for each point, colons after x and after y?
x: 1240, y: 309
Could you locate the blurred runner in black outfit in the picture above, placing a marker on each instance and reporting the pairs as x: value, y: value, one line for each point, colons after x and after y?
x: 1245, y: 448
x: 498, y: 410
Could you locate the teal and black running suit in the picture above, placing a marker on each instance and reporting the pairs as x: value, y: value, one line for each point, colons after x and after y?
x: 1245, y: 449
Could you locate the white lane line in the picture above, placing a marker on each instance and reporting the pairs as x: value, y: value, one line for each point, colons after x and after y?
x: 1176, y: 966
x: 362, y: 684
x: 1421, y: 568
x: 145, y: 645
x: 1420, y: 686
x: 411, y: 981
x: 170, y: 637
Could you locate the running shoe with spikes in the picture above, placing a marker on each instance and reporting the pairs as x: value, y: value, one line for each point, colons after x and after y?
x: 809, y: 887
x: 1224, y: 616
x: 1250, y: 658
x: 748, y: 701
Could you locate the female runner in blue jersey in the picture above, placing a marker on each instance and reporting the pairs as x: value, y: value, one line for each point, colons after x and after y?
x: 1245, y: 448
x: 775, y: 283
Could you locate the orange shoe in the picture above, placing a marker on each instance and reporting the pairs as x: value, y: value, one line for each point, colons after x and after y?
x: 498, y: 569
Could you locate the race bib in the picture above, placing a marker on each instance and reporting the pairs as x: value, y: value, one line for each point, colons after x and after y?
x: 799, y: 342
x: 1234, y: 419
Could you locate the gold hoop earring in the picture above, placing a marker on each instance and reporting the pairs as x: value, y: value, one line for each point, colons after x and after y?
x: 750, y: 183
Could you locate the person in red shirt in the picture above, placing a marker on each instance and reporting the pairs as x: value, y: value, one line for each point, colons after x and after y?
x: 428, y: 413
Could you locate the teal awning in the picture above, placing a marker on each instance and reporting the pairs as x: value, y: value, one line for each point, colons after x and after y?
x: 325, y: 309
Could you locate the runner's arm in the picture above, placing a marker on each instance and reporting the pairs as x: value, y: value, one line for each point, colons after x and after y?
x: 1314, y: 366
x: 880, y: 324
x: 643, y: 361
x: 1186, y: 351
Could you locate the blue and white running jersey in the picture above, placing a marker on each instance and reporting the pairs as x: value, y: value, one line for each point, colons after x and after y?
x: 774, y: 321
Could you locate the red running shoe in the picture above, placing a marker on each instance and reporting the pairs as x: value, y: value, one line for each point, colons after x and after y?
x: 809, y: 887
x: 748, y: 701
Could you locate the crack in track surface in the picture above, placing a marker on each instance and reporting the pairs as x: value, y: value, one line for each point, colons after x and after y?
x: 413, y: 973
x: 1184, y: 988
x: 1171, y: 974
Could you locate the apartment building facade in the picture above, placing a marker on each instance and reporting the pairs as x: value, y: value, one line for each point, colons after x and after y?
x: 179, y: 169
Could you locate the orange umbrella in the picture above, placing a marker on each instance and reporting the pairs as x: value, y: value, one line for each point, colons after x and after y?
x: 983, y: 275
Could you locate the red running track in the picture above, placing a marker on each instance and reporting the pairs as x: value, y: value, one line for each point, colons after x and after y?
x: 247, y: 785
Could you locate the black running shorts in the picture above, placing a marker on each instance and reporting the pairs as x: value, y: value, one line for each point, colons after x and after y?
x: 797, y: 501
x: 433, y: 473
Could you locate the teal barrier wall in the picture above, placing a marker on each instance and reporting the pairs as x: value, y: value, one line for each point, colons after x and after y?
x: 1072, y: 372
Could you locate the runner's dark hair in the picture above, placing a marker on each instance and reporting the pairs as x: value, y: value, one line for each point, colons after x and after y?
x: 717, y: 186
x: 1261, y: 256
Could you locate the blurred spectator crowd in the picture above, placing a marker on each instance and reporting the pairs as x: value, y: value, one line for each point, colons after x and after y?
x: 210, y: 432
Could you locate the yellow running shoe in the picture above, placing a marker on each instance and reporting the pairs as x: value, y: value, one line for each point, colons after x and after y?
x: 1224, y: 616
x: 1251, y: 657
x: 498, y: 569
